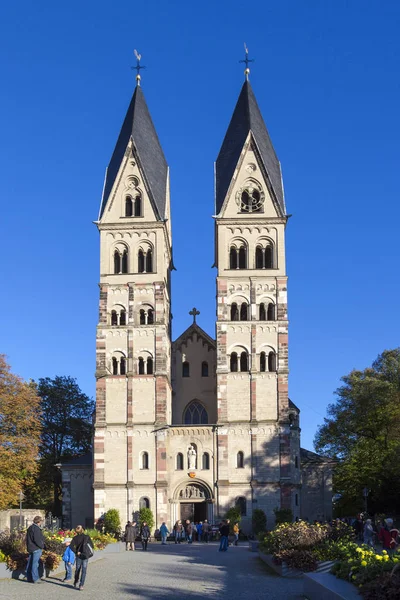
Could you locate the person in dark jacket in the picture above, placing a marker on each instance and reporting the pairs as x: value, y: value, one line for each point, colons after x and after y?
x: 224, y: 531
x: 34, y: 545
x: 82, y: 546
x: 130, y: 535
x: 145, y: 535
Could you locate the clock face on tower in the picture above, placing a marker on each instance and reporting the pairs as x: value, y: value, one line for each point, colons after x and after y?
x: 250, y: 198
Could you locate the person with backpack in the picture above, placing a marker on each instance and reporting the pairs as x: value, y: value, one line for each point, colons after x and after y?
x: 145, y: 535
x: 83, y: 548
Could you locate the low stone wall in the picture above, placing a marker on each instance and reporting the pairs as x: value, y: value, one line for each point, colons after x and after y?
x: 324, y: 586
x: 284, y: 571
x: 98, y: 555
x: 12, y: 515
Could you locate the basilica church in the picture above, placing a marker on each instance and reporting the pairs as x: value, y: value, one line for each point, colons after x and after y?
x: 193, y: 426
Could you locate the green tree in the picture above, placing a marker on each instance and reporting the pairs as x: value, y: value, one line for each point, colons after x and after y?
x: 259, y: 521
x: 362, y: 431
x: 67, y: 430
x: 146, y: 516
x: 19, y: 434
x: 283, y: 515
x: 112, y: 522
x: 234, y: 514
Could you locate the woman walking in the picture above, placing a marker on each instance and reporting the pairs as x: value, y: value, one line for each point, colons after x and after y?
x: 145, y: 535
x: 164, y: 534
x: 130, y: 535
x: 178, y: 529
x: 82, y: 546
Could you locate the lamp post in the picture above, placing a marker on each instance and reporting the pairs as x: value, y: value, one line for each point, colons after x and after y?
x: 365, y: 495
x: 21, y: 498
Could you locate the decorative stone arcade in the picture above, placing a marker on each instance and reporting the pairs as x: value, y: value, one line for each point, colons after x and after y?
x: 193, y: 501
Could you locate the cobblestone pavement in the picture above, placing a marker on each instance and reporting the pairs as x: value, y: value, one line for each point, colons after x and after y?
x: 190, y: 572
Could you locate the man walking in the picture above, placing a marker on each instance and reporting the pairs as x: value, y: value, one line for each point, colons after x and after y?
x: 34, y: 545
x: 206, y: 530
x: 224, y: 531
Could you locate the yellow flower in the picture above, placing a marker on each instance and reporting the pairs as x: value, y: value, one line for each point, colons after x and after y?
x: 384, y: 552
x: 363, y: 563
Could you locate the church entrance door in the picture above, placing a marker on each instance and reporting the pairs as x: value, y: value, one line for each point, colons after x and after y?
x: 194, y: 511
x: 187, y: 511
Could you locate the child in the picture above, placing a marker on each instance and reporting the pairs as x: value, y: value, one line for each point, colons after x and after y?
x: 69, y: 560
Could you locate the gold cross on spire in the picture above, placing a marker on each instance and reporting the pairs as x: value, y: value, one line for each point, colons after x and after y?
x: 194, y: 312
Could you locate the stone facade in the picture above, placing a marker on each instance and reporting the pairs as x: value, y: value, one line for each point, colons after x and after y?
x: 192, y: 427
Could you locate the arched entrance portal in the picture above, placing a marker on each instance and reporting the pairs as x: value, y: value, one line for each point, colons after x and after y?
x: 193, y: 501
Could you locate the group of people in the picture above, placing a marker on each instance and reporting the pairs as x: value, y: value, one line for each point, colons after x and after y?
x: 77, y: 552
x: 385, y: 532
x: 131, y: 533
x: 191, y: 531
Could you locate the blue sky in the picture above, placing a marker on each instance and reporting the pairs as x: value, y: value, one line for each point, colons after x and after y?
x: 326, y: 78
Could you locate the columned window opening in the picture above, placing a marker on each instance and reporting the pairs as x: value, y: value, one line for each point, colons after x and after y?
x: 271, y: 312
x: 206, y: 461
x: 149, y: 366
x: 118, y: 365
x: 145, y: 261
x: 144, y: 503
x: 185, y: 369
x: 238, y: 257
x: 179, y: 461
x: 272, y: 361
x: 128, y: 206
x: 145, y: 461
x: 141, y: 366
x: 138, y: 206
x: 241, y: 504
x: 262, y: 315
x: 240, y: 460
x: 244, y: 310
x: 234, y: 312
x: 263, y: 362
x: 234, y: 362
x: 122, y: 317
x: 146, y: 316
x: 204, y: 369
x: 142, y: 317
x: 244, y: 362
x: 114, y: 317
x: 195, y: 414
x: 265, y: 256
x: 150, y: 317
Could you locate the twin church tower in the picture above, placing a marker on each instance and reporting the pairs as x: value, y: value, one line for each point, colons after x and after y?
x: 194, y: 426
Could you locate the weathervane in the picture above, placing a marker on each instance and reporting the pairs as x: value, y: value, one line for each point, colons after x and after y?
x: 246, y: 60
x: 194, y: 312
x: 138, y: 66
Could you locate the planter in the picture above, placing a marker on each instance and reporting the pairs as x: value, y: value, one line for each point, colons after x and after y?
x: 253, y: 545
x: 324, y: 586
x: 284, y: 571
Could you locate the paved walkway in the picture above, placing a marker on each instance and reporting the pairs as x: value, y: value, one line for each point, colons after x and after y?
x: 191, y: 572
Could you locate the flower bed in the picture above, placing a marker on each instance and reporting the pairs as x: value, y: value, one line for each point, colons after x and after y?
x: 14, y: 554
x: 303, y: 547
x: 377, y: 575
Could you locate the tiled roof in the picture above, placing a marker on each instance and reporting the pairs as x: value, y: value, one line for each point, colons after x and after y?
x: 246, y: 117
x: 139, y: 125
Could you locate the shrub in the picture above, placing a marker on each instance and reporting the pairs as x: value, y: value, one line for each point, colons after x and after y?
x: 17, y: 561
x: 3, y: 557
x: 15, y: 541
x: 234, y: 514
x: 146, y: 516
x: 385, y: 587
x: 283, y: 515
x: 289, y: 536
x: 303, y: 560
x: 112, y: 522
x: 50, y: 560
x: 259, y: 521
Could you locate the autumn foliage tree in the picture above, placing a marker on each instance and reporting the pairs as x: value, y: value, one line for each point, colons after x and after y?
x: 362, y: 431
x: 20, y: 429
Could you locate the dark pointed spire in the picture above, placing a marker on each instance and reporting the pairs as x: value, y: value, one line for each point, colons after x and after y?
x: 139, y: 125
x: 246, y: 117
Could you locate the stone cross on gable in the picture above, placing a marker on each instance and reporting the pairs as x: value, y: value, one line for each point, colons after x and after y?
x: 194, y: 312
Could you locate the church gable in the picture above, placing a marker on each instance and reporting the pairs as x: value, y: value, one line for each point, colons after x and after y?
x: 130, y: 201
x: 250, y: 194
